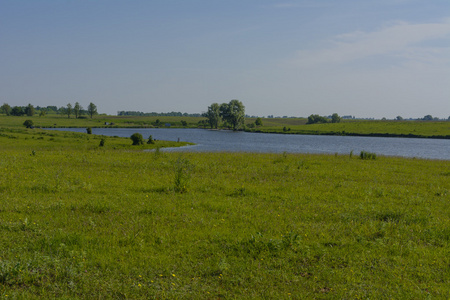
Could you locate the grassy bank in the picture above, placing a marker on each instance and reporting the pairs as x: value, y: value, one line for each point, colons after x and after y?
x: 413, y: 129
x: 82, y: 221
x: 58, y: 121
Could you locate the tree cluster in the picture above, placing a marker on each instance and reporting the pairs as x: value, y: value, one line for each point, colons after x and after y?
x: 314, y: 119
x: 232, y: 114
x: 17, y: 110
x: 155, y: 114
x: 29, y: 110
x: 77, y: 110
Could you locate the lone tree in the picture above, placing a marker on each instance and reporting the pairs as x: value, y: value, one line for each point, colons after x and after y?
x: 29, y: 110
x: 77, y: 109
x: 6, y: 109
x: 92, y: 109
x: 213, y: 115
x: 137, y: 139
x: 69, y: 110
x: 335, y: 118
x: 258, y: 122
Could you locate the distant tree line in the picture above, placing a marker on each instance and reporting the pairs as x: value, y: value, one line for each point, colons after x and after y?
x: 230, y: 114
x: 155, y: 114
x: 29, y: 110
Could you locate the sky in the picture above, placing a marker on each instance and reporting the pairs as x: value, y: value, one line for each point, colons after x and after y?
x: 365, y: 58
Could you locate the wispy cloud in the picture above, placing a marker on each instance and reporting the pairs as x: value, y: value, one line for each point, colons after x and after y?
x: 400, y: 40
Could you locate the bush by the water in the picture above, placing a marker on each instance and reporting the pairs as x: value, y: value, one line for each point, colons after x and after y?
x: 137, y: 139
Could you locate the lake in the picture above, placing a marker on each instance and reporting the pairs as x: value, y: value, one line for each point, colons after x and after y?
x: 238, y: 141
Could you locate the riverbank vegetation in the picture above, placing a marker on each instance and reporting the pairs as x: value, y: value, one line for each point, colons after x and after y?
x: 388, y: 128
x: 79, y: 220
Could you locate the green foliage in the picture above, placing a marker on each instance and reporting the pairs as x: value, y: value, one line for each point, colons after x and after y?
x: 29, y: 110
x: 102, y: 142
x: 69, y: 110
x: 213, y: 115
x: 335, y: 118
x: 89, y: 130
x: 17, y: 111
x: 233, y: 114
x: 367, y: 155
x: 150, y: 140
x: 77, y: 110
x: 258, y: 122
x: 6, y: 109
x: 137, y: 139
x: 184, y: 123
x: 313, y: 119
x: 157, y: 123
x: 92, y: 110
x: 28, y: 123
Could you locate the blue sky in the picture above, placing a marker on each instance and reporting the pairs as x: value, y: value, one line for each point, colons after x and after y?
x: 364, y: 58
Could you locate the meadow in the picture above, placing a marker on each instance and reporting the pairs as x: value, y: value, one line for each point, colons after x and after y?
x: 78, y: 220
x: 390, y: 128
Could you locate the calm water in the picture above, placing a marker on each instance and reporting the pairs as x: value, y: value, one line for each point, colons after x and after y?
x: 229, y: 141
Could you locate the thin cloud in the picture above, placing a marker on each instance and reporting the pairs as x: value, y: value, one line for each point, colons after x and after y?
x: 400, y: 40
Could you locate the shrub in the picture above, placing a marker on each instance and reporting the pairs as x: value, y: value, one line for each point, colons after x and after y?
x: 28, y: 124
x: 150, y: 140
x: 89, y: 130
x: 137, y: 139
x: 183, y: 123
x: 102, y: 142
x: 367, y: 155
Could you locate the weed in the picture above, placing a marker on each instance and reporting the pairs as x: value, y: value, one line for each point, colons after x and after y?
x: 182, y: 177
x: 367, y: 155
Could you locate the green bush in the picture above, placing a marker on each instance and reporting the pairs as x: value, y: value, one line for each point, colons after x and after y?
x: 102, y: 142
x: 137, y: 139
x: 28, y: 124
x: 150, y: 140
x: 89, y: 130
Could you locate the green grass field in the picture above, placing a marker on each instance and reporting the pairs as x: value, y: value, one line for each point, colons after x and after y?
x: 82, y: 221
x: 418, y: 129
